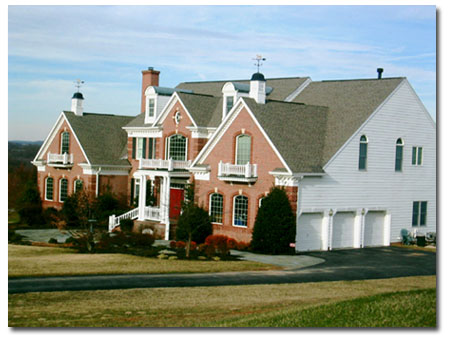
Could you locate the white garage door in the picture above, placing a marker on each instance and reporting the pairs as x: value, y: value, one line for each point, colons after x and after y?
x: 374, y: 228
x: 309, y: 232
x: 343, y: 230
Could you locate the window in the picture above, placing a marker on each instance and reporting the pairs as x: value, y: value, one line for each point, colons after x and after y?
x: 141, y: 147
x: 49, y: 189
x: 419, y: 215
x: 230, y: 103
x: 177, y: 148
x: 399, y: 155
x: 65, y: 139
x: 240, y: 207
x: 243, y: 148
x: 151, y: 107
x: 216, y: 207
x: 363, y: 153
x: 78, y: 185
x: 151, y: 148
x: 63, y: 189
x: 416, y: 156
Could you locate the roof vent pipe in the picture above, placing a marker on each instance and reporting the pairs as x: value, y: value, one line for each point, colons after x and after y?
x: 380, y: 71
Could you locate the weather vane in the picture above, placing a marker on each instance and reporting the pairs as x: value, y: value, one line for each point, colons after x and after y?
x: 259, y: 59
x: 78, y: 84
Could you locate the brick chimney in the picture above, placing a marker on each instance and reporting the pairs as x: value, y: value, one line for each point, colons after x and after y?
x: 150, y: 77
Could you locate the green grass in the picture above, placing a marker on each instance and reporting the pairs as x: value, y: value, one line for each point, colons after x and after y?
x: 400, y: 309
x: 44, y: 261
x: 345, y: 303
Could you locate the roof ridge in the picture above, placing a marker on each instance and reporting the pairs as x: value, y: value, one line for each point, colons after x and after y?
x: 292, y: 102
x: 100, y: 114
x: 198, y: 94
x: 271, y: 78
x: 367, y: 79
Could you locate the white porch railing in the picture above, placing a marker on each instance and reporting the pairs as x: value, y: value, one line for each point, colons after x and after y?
x: 145, y: 163
x: 60, y: 158
x: 150, y: 213
x: 242, y: 170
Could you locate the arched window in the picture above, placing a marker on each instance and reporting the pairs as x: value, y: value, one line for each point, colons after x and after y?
x: 65, y: 141
x: 176, y: 147
x: 240, y: 211
x: 77, y: 185
x: 49, y: 189
x: 399, y: 155
x: 216, y: 207
x: 243, y: 149
x: 63, y: 189
x: 363, y: 153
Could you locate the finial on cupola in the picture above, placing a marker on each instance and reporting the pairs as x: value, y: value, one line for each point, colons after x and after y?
x: 77, y: 99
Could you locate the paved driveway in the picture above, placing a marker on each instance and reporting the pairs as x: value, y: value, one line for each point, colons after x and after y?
x: 355, y: 264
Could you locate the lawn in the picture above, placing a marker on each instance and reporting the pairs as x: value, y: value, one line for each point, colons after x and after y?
x: 44, y: 261
x: 398, y: 302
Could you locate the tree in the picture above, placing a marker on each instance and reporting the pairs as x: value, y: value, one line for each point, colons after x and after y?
x: 29, y: 205
x: 194, y: 223
x: 275, y: 224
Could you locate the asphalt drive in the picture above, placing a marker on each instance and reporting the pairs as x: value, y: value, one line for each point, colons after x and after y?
x: 353, y: 264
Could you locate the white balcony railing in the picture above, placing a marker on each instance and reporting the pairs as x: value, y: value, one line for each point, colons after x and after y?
x: 170, y: 165
x: 150, y: 213
x: 64, y: 159
x: 244, y: 171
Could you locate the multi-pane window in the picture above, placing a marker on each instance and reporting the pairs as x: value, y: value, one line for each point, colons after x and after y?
x: 363, y: 153
x: 229, y: 102
x: 419, y: 216
x: 63, y: 185
x: 78, y: 185
x: 399, y: 155
x: 49, y: 189
x: 140, y: 148
x: 216, y: 207
x: 240, y: 207
x: 65, y: 141
x: 151, y: 107
x: 177, y: 148
x: 416, y: 156
x: 243, y: 149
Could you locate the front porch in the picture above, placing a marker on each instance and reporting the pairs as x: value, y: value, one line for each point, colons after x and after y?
x: 168, y: 189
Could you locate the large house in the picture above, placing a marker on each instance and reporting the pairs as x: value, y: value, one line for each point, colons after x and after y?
x: 357, y: 158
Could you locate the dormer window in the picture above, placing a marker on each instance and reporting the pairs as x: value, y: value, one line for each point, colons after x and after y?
x: 65, y: 142
x: 229, y: 103
x: 151, y: 107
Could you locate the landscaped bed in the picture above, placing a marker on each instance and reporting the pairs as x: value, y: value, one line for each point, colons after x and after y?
x: 382, y: 302
x: 48, y: 261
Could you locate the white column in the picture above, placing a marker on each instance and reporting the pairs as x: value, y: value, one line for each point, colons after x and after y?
x: 142, y: 197
x: 167, y: 220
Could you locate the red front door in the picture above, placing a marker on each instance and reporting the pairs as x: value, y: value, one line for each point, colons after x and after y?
x: 176, y: 197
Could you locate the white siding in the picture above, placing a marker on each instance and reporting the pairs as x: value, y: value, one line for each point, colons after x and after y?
x: 379, y: 187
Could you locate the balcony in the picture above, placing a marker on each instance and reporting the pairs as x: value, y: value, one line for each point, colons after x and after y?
x: 60, y: 160
x: 169, y: 165
x: 237, y: 172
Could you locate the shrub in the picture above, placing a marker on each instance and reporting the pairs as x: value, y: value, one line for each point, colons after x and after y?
x: 126, y: 225
x: 53, y: 241
x: 14, y: 237
x: 275, y: 225
x: 242, y: 246
x: 217, y: 245
x: 194, y: 222
x: 30, y: 206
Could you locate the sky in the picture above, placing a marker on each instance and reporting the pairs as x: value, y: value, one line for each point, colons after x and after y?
x: 50, y: 47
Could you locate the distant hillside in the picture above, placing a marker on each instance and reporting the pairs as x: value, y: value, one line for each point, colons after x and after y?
x: 22, y: 152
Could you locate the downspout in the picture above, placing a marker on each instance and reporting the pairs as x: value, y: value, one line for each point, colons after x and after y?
x: 96, y: 181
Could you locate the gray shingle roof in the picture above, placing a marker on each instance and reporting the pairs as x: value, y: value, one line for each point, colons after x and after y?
x: 351, y: 102
x: 281, y: 87
x: 206, y: 110
x: 138, y: 121
x: 296, y: 130
x: 101, y: 136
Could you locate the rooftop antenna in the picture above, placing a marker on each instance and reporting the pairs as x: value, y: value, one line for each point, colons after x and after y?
x: 78, y: 84
x: 259, y: 59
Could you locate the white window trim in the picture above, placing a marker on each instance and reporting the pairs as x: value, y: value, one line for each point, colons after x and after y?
x: 417, y: 156
x: 234, y: 209
x: 45, y: 192
x: 236, y: 147
x: 168, y: 138
x: 60, y: 185
x: 210, y: 200
x: 154, y: 107
x: 366, y: 142
x: 403, y: 154
x: 419, y: 216
x: 139, y: 140
x: 62, y: 141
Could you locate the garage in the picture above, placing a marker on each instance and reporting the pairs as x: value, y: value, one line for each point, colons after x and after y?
x: 374, y: 228
x: 343, y: 230
x: 309, y: 232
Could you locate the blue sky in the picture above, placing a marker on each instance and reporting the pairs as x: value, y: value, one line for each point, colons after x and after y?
x: 49, y: 47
